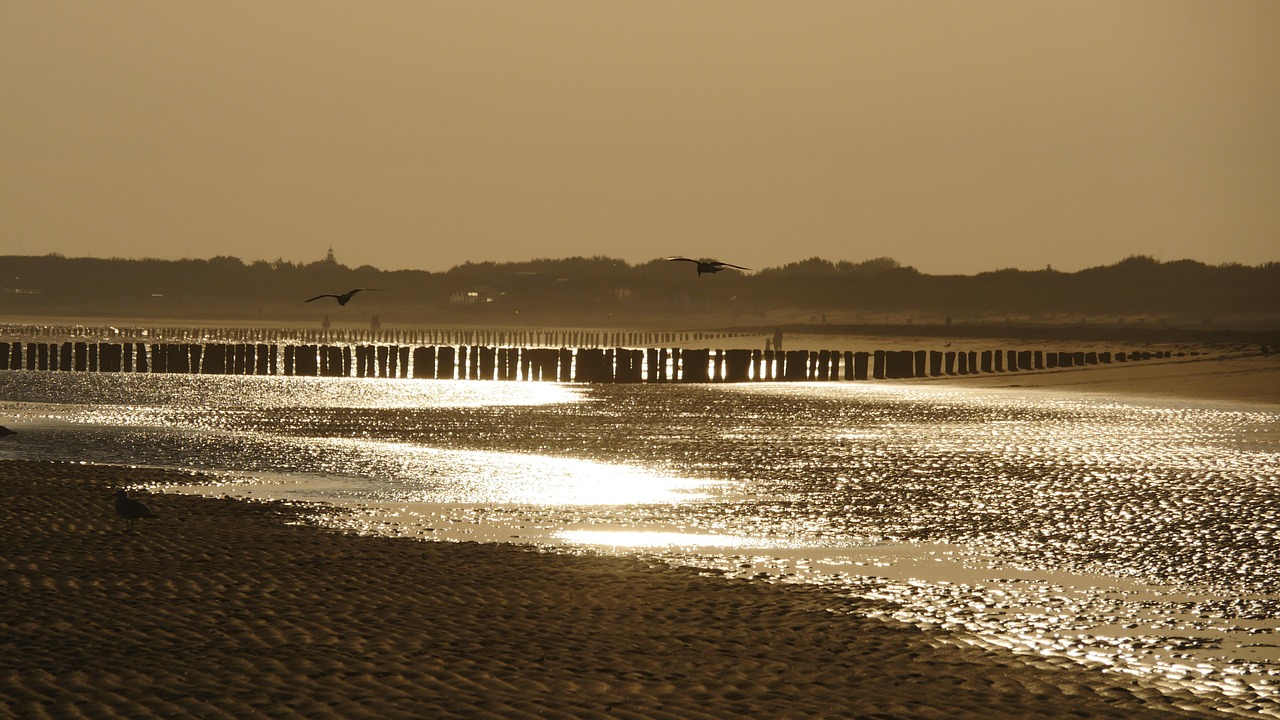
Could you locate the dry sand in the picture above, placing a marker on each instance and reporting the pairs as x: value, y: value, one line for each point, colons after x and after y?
x: 222, y: 608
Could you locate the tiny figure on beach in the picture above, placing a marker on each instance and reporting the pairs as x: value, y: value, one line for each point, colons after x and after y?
x: 777, y: 339
x: 6, y: 432
x: 130, y: 509
x: 345, y: 297
x: 707, y: 266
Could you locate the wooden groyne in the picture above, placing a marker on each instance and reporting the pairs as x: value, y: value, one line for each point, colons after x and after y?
x: 547, y: 364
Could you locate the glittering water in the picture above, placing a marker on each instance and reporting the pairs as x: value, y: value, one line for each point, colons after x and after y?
x: 1139, y: 536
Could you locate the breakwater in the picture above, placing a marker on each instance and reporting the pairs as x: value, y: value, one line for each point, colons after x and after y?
x: 531, y: 363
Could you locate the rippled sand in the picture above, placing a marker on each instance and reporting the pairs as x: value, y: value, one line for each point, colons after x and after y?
x: 222, y: 608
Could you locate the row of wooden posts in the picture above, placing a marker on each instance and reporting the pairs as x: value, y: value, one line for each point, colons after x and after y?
x: 480, y: 362
x: 471, y: 337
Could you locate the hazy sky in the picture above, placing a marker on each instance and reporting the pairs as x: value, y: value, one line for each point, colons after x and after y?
x: 954, y: 136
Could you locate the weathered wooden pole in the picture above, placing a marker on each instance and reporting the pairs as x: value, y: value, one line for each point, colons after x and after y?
x: 694, y: 366
x: 488, y: 362
x: 737, y: 365
x: 564, y: 359
x: 445, y: 359
x: 424, y: 362
x: 899, y: 364
x: 215, y: 359
x: 878, y: 365
x: 823, y: 370
x: 795, y: 365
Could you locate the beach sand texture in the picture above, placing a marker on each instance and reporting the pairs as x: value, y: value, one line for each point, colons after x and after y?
x: 222, y: 608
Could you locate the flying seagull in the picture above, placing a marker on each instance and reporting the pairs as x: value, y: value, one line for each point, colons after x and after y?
x: 130, y: 509
x: 344, y: 298
x: 708, y: 266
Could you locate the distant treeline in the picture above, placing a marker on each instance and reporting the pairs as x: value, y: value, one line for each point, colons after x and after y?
x: 602, y: 290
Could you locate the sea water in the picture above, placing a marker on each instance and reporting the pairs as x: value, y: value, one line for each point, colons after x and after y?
x: 1133, y: 535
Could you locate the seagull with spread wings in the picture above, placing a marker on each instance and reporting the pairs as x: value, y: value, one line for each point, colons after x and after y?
x: 345, y: 297
x: 708, y: 266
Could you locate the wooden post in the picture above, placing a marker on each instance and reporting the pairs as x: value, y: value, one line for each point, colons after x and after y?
x: 878, y: 369
x: 795, y: 365
x: 564, y: 358
x: 445, y: 358
x: 861, y: 360
x: 383, y: 358
x: 737, y: 365
x: 899, y: 364
x: 424, y: 362
x: 488, y: 362
x: 694, y: 364
x: 215, y: 359
x: 935, y: 363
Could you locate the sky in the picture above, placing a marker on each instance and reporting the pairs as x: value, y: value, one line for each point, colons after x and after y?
x: 954, y: 137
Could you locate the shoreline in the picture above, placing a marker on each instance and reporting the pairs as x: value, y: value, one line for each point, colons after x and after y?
x: 232, y: 608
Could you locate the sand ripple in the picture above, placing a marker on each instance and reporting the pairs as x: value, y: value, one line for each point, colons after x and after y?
x: 221, y: 609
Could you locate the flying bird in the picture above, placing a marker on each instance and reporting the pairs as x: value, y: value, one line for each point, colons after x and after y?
x: 708, y: 266
x: 345, y: 297
x: 130, y: 509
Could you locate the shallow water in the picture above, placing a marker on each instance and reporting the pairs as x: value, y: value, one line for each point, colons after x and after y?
x: 1141, y: 536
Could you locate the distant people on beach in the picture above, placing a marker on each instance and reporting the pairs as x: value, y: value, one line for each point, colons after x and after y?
x: 777, y: 339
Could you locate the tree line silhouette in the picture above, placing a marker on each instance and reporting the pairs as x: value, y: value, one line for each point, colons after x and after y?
x: 603, y: 290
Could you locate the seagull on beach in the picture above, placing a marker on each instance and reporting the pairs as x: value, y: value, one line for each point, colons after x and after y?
x: 130, y: 509
x: 707, y: 266
x: 345, y: 297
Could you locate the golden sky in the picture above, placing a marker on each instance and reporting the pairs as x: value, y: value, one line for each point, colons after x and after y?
x: 954, y: 136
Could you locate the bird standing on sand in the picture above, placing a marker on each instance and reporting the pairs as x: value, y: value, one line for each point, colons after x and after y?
x: 345, y: 297
x: 708, y: 266
x: 130, y: 509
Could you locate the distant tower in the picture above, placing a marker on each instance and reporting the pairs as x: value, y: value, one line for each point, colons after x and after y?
x: 329, y: 258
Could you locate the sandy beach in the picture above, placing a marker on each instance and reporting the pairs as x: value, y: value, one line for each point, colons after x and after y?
x: 223, y: 608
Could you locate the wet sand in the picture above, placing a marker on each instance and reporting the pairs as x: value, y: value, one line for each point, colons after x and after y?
x: 223, y: 608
